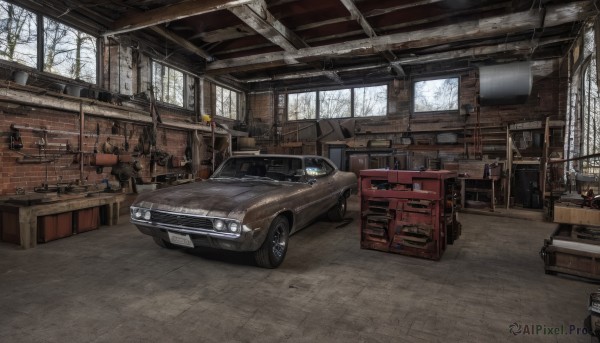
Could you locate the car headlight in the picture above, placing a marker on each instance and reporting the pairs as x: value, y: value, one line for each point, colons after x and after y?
x: 141, y: 213
x: 234, y: 227
x: 219, y: 225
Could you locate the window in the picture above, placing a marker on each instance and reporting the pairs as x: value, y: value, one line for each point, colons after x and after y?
x: 436, y: 95
x: 370, y: 101
x: 590, y: 103
x: 335, y: 104
x: 66, y: 51
x: 168, y: 84
x: 18, y: 34
x: 69, y: 52
x: 226, y: 103
x: 302, y: 106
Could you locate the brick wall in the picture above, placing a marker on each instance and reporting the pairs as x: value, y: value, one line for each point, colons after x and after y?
x: 548, y: 98
x: 64, y: 168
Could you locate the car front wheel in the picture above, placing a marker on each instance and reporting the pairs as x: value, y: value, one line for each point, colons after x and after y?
x: 273, y: 250
x: 337, y: 212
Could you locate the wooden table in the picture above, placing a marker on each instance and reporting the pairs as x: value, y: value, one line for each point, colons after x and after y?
x: 28, y: 215
x: 490, y: 189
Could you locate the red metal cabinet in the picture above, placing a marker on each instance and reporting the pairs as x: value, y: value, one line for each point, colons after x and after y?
x: 408, y: 212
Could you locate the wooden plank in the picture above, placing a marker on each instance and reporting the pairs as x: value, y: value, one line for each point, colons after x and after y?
x: 135, y: 20
x: 576, y: 215
x: 95, y: 108
x: 257, y: 16
x: 182, y: 42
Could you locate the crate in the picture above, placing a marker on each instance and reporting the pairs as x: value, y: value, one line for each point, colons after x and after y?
x: 55, y: 226
x: 87, y: 219
x: 571, y: 250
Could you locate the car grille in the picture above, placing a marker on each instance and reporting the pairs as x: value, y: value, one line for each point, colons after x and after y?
x: 183, y: 220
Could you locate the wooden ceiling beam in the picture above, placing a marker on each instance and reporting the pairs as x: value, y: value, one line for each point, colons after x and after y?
x: 170, y: 35
x: 136, y: 20
x: 257, y: 16
x: 469, y: 30
x: 522, y: 47
x: 357, y: 15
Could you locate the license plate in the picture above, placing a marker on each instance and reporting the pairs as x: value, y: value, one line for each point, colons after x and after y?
x: 179, y: 239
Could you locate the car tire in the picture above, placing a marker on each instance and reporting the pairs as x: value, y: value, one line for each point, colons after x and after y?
x: 273, y: 250
x: 337, y: 212
x: 164, y: 244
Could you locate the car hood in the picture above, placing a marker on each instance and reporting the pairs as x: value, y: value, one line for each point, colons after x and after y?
x: 225, y: 198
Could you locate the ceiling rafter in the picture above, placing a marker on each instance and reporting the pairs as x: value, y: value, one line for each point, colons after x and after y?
x: 170, y: 35
x: 257, y: 16
x: 471, y: 53
x: 469, y: 30
x: 135, y: 20
x: 357, y: 15
x: 237, y: 32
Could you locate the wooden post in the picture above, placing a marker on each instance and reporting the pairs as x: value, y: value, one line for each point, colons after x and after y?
x: 81, y: 133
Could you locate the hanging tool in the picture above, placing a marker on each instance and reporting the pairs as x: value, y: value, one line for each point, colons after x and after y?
x: 97, y: 138
x: 126, y: 146
x: 155, y: 115
x: 16, y: 142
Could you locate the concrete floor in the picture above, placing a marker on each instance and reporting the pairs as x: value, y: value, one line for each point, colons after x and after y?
x: 116, y: 285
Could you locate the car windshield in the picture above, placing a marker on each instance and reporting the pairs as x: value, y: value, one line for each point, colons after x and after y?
x: 262, y: 167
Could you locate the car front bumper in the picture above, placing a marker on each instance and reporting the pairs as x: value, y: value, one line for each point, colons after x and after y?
x: 248, y: 240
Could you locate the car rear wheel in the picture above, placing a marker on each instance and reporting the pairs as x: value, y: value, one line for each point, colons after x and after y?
x: 337, y: 212
x: 273, y: 250
x: 164, y: 244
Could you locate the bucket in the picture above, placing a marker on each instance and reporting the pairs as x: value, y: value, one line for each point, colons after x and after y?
x: 74, y: 90
x: 20, y: 77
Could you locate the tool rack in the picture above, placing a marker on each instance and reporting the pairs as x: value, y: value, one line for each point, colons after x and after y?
x: 409, y: 212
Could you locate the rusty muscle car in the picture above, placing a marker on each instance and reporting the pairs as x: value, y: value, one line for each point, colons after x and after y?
x: 250, y: 203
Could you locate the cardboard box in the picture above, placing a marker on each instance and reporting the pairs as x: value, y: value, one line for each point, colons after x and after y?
x: 87, y: 219
x: 55, y: 226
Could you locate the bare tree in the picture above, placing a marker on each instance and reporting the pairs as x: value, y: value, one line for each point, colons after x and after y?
x: 69, y: 52
x: 18, y: 35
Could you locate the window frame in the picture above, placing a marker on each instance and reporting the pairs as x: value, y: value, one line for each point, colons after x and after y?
x: 432, y: 78
x: 40, y: 20
x: 318, y: 102
x: 236, y: 105
x: 185, y: 90
x: 386, y: 101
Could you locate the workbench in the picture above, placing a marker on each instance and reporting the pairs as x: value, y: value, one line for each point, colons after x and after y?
x: 574, y: 247
x: 26, y: 216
